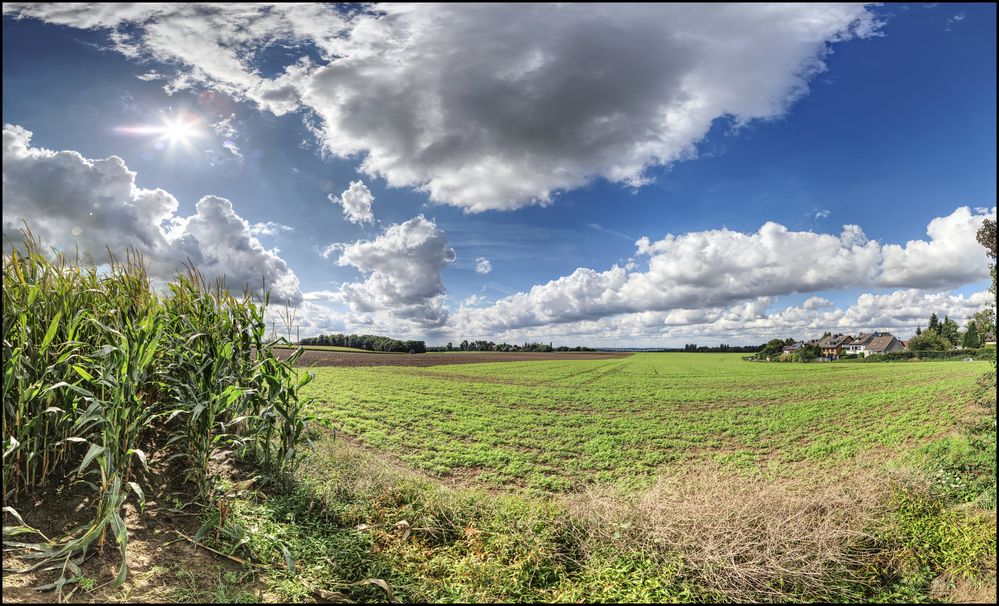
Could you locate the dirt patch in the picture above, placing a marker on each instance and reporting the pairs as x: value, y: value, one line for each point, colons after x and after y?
x: 162, y: 566
x: 313, y: 357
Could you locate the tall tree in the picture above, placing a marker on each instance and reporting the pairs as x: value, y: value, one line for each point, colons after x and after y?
x: 971, y: 339
x: 985, y: 321
x: 950, y: 331
x: 930, y: 340
x: 987, y: 238
x: 934, y: 323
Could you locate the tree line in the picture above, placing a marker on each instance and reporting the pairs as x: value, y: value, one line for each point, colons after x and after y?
x: 368, y: 342
x: 723, y: 348
x: 946, y: 335
x: 491, y: 346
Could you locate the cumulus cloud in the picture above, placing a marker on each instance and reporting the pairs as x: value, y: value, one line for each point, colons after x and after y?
x: 950, y: 256
x: 540, y: 98
x: 356, y: 201
x: 755, y: 321
x: 403, y: 274
x: 712, y: 269
x: 483, y: 265
x: 816, y: 303
x: 76, y: 203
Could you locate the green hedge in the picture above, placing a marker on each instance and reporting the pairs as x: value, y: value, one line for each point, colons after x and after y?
x: 957, y: 354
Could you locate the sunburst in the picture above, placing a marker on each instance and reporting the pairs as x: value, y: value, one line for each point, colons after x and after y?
x: 174, y: 131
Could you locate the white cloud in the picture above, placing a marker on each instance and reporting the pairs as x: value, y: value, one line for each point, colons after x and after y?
x: 753, y: 322
x: 225, y: 127
x: 403, y: 268
x: 950, y: 256
x: 269, y: 228
x: 816, y: 303
x: 537, y: 98
x: 822, y: 214
x: 232, y: 148
x: 150, y: 76
x: 356, y: 201
x: 716, y: 268
x: 72, y: 202
x: 323, y: 295
x: 483, y: 265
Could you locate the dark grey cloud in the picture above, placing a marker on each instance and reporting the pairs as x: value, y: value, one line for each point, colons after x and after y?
x: 495, y: 106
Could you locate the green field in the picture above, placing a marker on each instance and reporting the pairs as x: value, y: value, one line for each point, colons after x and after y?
x: 561, y: 425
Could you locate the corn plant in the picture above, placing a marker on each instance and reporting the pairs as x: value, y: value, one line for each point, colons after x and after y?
x: 98, y: 370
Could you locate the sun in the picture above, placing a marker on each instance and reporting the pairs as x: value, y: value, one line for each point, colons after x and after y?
x: 178, y: 131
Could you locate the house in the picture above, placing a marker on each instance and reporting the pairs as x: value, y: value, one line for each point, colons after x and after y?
x: 859, y: 345
x: 787, y: 350
x: 790, y: 349
x: 832, y: 347
x: 989, y: 340
x: 884, y: 344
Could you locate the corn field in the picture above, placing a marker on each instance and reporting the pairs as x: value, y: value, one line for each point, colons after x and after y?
x: 100, y: 374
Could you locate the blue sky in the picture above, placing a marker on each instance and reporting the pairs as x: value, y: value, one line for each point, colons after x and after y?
x: 896, y: 128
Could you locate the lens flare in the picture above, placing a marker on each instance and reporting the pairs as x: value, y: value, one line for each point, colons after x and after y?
x: 172, y: 132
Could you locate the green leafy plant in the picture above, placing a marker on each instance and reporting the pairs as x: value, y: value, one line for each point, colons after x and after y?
x: 100, y: 373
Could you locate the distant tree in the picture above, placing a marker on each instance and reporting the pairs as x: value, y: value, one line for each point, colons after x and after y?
x: 807, y: 353
x: 971, y: 340
x: 949, y: 330
x: 985, y: 322
x: 826, y: 334
x: 919, y: 331
x: 771, y: 349
x: 934, y: 323
x: 929, y: 340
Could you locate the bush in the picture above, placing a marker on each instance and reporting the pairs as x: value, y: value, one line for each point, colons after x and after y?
x: 952, y: 354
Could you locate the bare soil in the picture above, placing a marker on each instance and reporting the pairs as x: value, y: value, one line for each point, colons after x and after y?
x: 313, y: 357
x: 162, y: 566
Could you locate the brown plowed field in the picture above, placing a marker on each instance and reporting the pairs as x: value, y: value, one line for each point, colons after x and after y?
x: 312, y: 357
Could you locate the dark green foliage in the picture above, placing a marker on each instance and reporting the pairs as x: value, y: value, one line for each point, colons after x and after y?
x: 771, y: 349
x: 929, y: 340
x: 971, y: 339
x: 949, y: 331
x: 950, y: 354
x: 482, y: 345
x: 368, y: 342
x: 723, y: 348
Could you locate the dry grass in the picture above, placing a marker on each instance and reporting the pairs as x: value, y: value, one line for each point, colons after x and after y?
x: 755, y: 540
